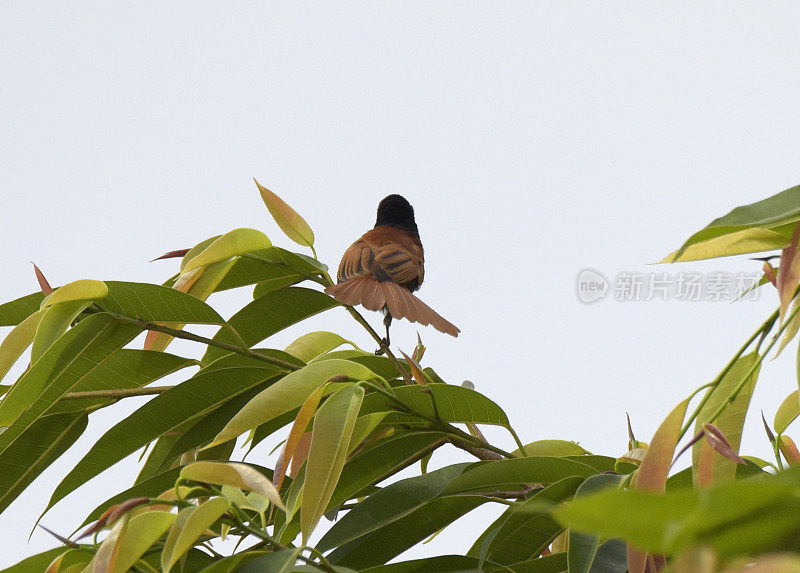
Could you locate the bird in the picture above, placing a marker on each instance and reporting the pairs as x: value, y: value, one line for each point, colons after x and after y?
x: 382, y: 269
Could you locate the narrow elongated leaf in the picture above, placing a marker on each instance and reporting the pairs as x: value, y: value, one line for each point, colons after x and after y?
x: 526, y: 528
x: 185, y: 532
x: 269, y: 314
x: 388, y: 505
x: 37, y: 447
x: 292, y: 224
x: 289, y: 393
x: 511, y: 474
x: 83, y: 289
x: 301, y: 422
x: 196, y: 250
x: 16, y: 341
x: 200, y: 433
x: 382, y: 460
x: 157, y: 303
x: 557, y: 448
x: 333, y: 427
x: 453, y: 404
x: 745, y: 517
x: 760, y: 226
x: 440, y: 564
x: 582, y: 549
x: 251, y: 270
x: 786, y: 414
x: 315, y: 344
x: 152, y: 487
x: 277, y: 562
x: 235, y: 563
x: 236, y: 474
x: 65, y: 364
x: 653, y: 471
x: 106, y: 557
x: 199, y: 283
x: 17, y: 310
x: 390, y: 541
x: 53, y: 323
x: 141, y: 533
x: 126, y: 368
x: 231, y: 244
x: 731, y: 421
x: 180, y: 405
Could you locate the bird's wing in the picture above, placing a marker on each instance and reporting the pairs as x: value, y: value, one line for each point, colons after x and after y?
x: 357, y: 261
x: 385, y: 253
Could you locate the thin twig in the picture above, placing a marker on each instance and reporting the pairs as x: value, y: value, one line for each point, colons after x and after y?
x: 146, y: 325
x: 115, y: 394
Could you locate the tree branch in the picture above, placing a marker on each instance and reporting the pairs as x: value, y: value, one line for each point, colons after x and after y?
x: 146, y: 325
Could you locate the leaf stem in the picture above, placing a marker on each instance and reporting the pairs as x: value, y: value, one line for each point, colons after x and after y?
x: 762, y: 331
x: 115, y: 394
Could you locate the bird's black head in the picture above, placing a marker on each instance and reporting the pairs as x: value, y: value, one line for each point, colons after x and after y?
x: 395, y: 211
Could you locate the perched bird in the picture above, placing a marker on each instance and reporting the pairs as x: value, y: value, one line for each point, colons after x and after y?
x: 382, y: 268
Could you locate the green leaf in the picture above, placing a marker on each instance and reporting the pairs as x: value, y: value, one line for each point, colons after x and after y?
x: 156, y: 303
x: 73, y: 357
x: 277, y: 562
x: 731, y: 420
x: 330, y: 438
x: 188, y: 527
x: 199, y: 434
x: 54, y: 322
x: 236, y: 474
x: 269, y: 314
x: 292, y: 224
x: 381, y: 460
x: 151, y: 487
x: 196, y: 250
x: 231, y: 244
x: 454, y: 404
x: 787, y: 412
x: 583, y: 549
x: 440, y: 564
x: 234, y: 563
x: 509, y: 474
x: 37, y: 447
x: 179, y: 406
x: 745, y: 517
x: 16, y: 341
x: 83, y: 289
x: 17, y: 310
x: 389, y: 541
x: 142, y: 532
x: 388, y: 505
x: 315, y: 344
x: 526, y: 528
x: 289, y: 393
x: 127, y: 368
x: 555, y: 448
x: 761, y: 226
x: 249, y: 269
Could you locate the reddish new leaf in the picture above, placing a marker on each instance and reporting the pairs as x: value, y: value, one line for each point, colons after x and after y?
x: 172, y: 255
x: 717, y: 440
x: 43, y: 284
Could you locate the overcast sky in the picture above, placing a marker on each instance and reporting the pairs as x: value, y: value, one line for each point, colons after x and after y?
x: 533, y: 139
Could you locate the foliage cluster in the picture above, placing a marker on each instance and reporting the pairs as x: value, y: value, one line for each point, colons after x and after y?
x: 353, y: 420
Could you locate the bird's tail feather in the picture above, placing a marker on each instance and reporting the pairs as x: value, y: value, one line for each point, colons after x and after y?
x: 400, y: 302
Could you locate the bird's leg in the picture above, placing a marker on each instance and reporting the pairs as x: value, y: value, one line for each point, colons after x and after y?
x: 387, y: 320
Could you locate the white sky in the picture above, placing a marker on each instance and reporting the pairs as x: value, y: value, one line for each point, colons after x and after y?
x: 533, y: 139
